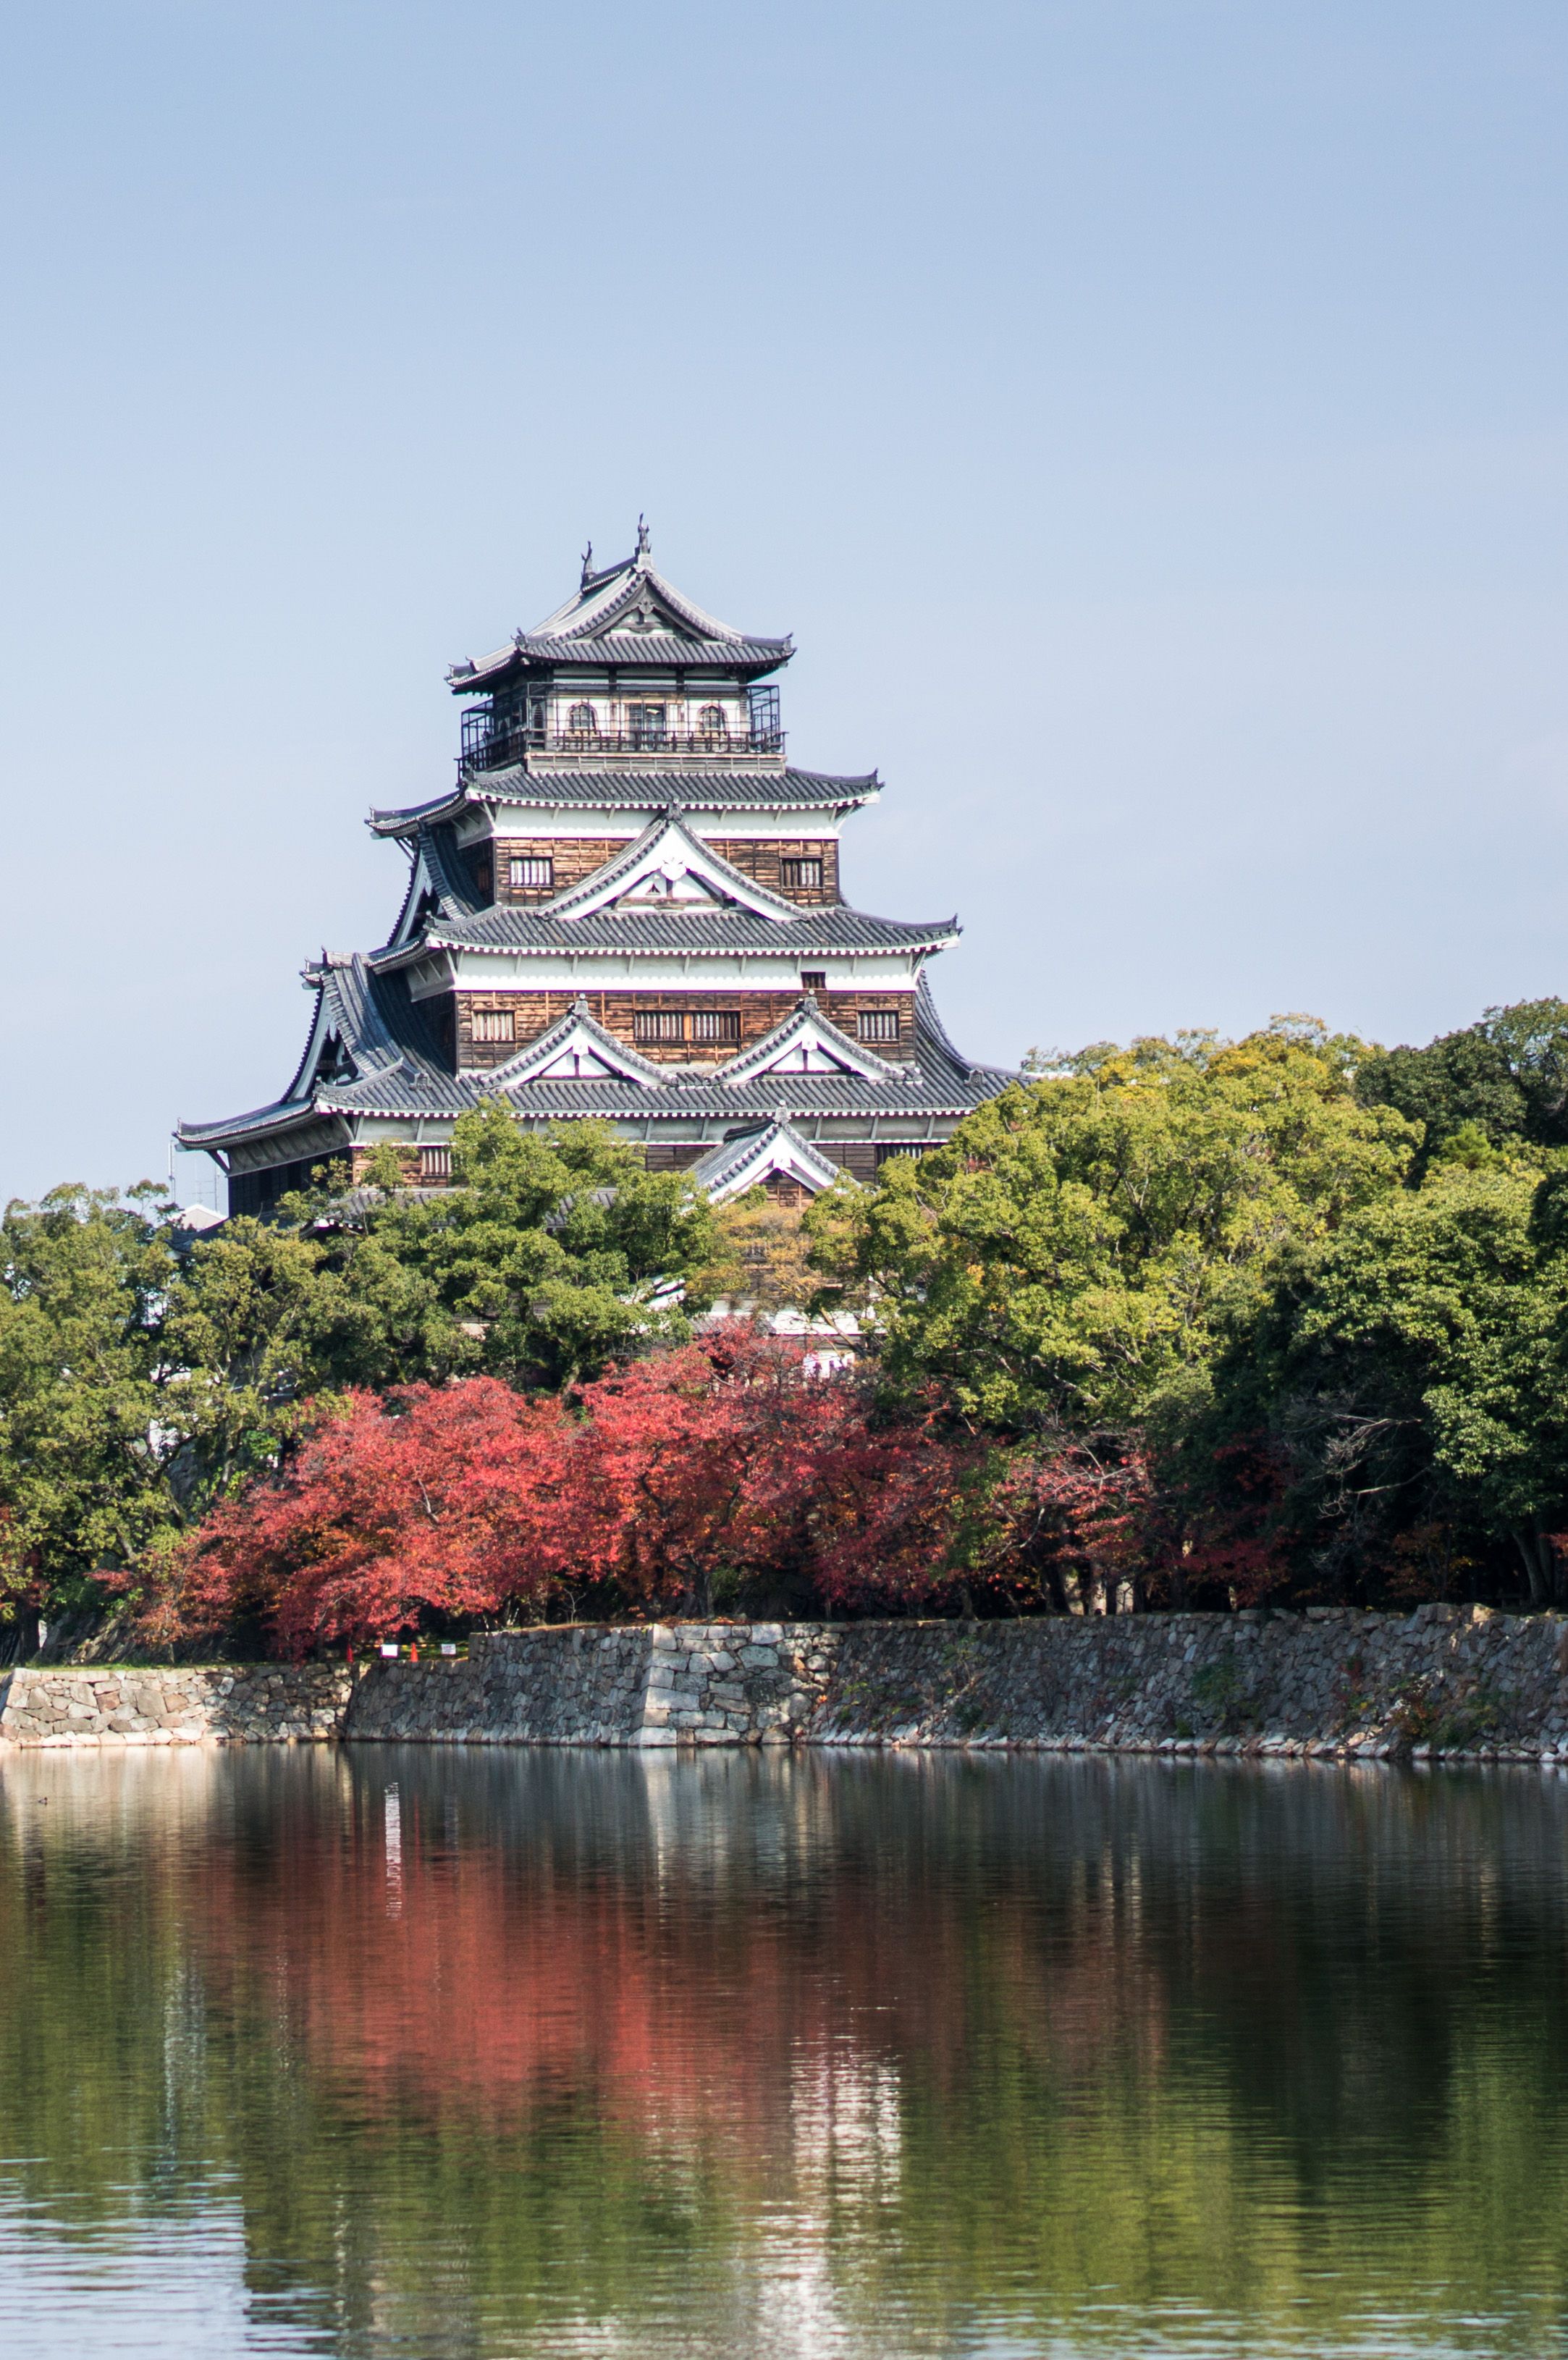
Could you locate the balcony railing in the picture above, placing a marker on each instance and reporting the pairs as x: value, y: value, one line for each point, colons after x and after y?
x: 496, y: 749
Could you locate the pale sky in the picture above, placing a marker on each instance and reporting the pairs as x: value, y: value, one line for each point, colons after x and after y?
x: 1149, y: 416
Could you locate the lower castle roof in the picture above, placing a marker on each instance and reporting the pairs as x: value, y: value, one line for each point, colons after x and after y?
x: 709, y: 790
x: 371, y: 1052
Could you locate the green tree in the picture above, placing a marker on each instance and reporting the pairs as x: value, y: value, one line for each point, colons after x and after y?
x: 1505, y: 1078
x: 84, y: 1478
x: 139, y: 1382
x: 546, y: 1257
x: 549, y: 1256
x: 1069, y: 1257
x: 1413, y: 1374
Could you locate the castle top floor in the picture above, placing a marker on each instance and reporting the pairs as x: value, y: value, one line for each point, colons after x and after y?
x: 628, y: 673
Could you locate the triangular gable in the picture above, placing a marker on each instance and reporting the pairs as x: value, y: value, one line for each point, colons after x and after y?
x: 610, y: 601
x: 668, y: 867
x: 748, y: 1163
x: 806, y: 1042
x: 577, y: 1049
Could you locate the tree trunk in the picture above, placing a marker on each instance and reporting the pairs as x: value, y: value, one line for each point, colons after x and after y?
x: 1536, y: 1557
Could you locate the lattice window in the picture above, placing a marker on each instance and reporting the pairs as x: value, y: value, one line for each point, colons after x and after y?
x: 435, y: 1165
x: 715, y: 1024
x: 582, y: 721
x: 878, y: 1023
x: 493, y: 1024
x: 813, y: 979
x: 656, y: 1026
x: 712, y: 722
x: 645, y: 727
x: 888, y: 1147
x: 530, y: 870
x: 801, y: 876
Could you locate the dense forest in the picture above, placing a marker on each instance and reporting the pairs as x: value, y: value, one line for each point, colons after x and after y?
x: 1191, y: 1323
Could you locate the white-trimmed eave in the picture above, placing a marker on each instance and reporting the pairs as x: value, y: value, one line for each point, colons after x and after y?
x: 586, y: 613
x: 544, y: 797
x: 410, y: 821
x: 442, y: 967
x: 780, y: 1149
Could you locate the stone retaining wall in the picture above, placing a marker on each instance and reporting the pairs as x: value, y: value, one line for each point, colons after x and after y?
x: 234, y: 1704
x: 1452, y: 1680
x: 606, y: 1684
x: 1459, y: 1681
x: 1455, y: 1680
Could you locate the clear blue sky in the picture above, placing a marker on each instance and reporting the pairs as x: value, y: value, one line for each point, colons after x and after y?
x: 1149, y: 415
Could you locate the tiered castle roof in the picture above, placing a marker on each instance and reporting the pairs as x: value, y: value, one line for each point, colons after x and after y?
x: 633, y: 706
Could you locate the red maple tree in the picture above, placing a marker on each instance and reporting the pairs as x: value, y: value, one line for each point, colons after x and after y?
x: 665, y: 1487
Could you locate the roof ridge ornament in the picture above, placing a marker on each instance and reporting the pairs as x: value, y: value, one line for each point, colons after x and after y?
x: 644, y: 546
x: 587, y: 566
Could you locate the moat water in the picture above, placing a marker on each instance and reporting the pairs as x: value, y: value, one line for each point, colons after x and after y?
x: 371, y: 2051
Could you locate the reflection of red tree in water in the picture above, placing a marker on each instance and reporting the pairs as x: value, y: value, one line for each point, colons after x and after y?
x: 484, y: 1978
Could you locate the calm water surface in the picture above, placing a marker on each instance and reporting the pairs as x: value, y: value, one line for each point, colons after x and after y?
x: 373, y: 2051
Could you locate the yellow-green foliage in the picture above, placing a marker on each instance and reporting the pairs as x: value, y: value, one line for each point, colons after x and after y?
x: 1068, y: 1253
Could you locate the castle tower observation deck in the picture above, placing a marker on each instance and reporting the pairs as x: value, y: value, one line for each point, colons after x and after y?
x: 629, y: 907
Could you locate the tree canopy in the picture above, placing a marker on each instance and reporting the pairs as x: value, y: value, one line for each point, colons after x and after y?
x: 1071, y: 1253
x: 145, y: 1376
x: 1194, y: 1321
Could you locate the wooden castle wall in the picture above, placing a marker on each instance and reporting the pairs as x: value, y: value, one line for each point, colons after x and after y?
x: 760, y: 1013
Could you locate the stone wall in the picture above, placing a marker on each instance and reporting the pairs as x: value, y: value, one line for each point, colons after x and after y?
x: 606, y: 1684
x: 1459, y: 1681
x: 1455, y: 1680
x: 234, y: 1704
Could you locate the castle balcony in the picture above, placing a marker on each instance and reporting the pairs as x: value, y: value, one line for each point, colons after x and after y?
x: 580, y: 749
x: 491, y: 743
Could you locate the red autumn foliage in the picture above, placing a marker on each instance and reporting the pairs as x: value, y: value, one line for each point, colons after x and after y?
x: 1233, y: 1552
x: 724, y: 1473
x: 726, y: 1461
x: 438, y: 1502
x: 1085, y: 1512
x: 732, y: 1458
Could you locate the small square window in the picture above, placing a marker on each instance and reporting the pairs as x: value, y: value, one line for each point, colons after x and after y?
x: 528, y: 871
x: 801, y: 876
x: 493, y: 1024
x: 813, y: 979
x: 435, y: 1165
x: 878, y: 1023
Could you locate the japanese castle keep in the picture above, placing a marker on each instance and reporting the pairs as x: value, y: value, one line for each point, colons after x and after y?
x: 628, y: 907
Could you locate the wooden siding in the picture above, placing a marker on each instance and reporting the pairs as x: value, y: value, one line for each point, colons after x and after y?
x: 679, y: 1158
x: 762, y: 859
x: 576, y: 857
x: 534, y: 1013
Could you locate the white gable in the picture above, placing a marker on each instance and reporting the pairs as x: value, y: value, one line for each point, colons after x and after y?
x: 806, y: 1044
x: 576, y: 1050
x: 668, y: 867
x: 578, y: 1063
x: 729, y: 1171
